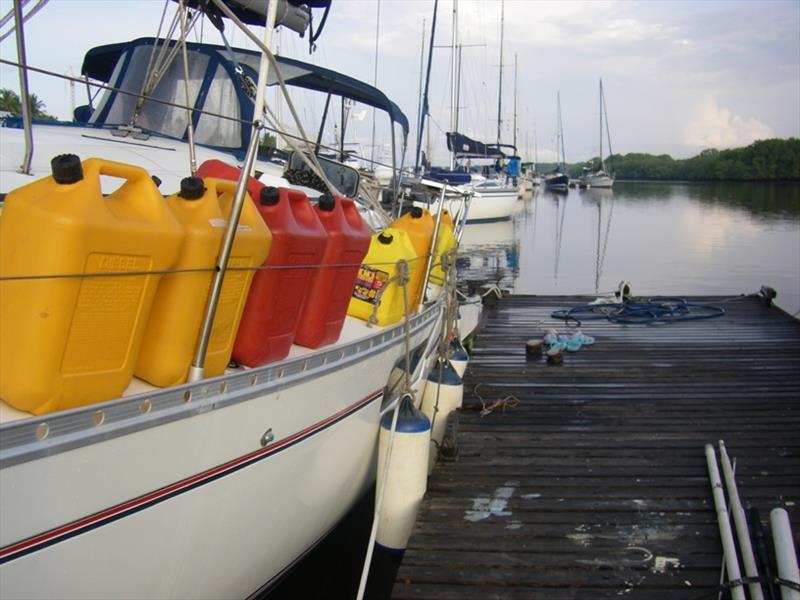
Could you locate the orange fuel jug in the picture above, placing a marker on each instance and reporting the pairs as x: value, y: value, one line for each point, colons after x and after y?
x: 277, y: 294
x: 444, y: 243
x: 170, y: 339
x: 419, y: 225
x: 323, y: 314
x: 72, y: 337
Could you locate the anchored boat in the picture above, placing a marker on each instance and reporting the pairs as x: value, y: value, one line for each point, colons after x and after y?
x: 216, y: 485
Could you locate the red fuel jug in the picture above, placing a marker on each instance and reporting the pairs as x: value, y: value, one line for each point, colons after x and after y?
x: 220, y: 170
x: 323, y: 314
x: 276, y: 298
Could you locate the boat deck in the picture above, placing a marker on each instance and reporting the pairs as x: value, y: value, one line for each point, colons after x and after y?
x: 595, y: 484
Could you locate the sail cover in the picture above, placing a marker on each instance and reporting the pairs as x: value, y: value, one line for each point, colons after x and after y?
x: 465, y: 147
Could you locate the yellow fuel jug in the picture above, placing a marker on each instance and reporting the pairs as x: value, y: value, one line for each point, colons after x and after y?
x: 377, y: 283
x: 444, y: 243
x: 419, y: 224
x: 70, y: 335
x: 170, y: 338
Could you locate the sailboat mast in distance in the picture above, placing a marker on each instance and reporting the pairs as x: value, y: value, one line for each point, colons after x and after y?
x: 453, y: 82
x: 602, y: 166
x: 500, y: 88
x: 375, y: 80
x: 515, y: 102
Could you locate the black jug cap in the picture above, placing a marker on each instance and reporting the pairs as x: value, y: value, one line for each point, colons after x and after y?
x: 385, y: 238
x: 269, y: 196
x: 192, y: 188
x: 156, y: 179
x: 66, y: 168
x: 415, y: 212
x: 326, y: 202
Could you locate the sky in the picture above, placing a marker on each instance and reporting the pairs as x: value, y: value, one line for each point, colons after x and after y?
x: 678, y: 76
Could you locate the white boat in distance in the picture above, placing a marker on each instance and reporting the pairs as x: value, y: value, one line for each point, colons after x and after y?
x: 599, y: 178
x: 212, y: 488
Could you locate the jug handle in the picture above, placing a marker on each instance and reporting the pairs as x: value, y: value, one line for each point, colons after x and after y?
x: 123, y: 171
x: 222, y: 185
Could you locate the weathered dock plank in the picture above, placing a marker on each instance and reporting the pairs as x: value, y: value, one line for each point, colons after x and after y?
x: 595, y: 484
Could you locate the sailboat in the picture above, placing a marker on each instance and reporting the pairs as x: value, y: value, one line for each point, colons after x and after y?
x: 493, y: 198
x: 557, y: 180
x: 599, y: 178
x: 216, y: 486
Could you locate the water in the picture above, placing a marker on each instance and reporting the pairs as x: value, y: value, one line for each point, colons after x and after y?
x: 664, y: 238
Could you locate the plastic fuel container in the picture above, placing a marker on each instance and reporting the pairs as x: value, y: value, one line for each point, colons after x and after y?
x: 171, y: 336
x: 419, y: 225
x: 376, y: 284
x: 323, y: 314
x: 71, y: 341
x: 445, y: 242
x: 221, y: 170
x: 277, y: 294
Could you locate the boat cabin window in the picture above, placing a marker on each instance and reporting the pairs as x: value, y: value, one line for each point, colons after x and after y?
x: 216, y: 94
x: 343, y: 177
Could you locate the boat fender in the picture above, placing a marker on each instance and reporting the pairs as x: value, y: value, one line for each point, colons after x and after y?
x: 444, y: 393
x: 458, y: 357
x: 406, y: 479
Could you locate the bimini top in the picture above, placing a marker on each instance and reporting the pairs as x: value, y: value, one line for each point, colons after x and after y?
x: 102, y: 63
x: 465, y: 147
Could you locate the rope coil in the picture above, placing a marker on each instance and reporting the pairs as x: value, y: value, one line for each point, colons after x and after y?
x: 658, y: 310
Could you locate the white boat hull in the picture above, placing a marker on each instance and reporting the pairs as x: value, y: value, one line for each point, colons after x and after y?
x: 600, y: 181
x: 182, y: 500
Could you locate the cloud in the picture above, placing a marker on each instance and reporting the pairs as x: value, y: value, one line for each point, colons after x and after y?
x: 715, y: 126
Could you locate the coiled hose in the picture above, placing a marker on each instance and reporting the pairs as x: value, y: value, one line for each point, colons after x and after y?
x: 658, y: 310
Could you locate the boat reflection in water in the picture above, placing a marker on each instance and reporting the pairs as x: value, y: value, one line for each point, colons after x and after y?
x: 489, y: 255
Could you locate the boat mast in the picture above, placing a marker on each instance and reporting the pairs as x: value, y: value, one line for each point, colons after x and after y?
x: 535, y: 148
x: 605, y: 115
x: 425, y: 94
x: 454, y: 82
x: 515, y: 102
x: 500, y: 88
x: 560, y: 135
x: 421, y: 74
x: 602, y: 167
x: 375, y: 80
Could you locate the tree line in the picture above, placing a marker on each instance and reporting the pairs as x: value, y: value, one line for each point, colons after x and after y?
x: 764, y: 160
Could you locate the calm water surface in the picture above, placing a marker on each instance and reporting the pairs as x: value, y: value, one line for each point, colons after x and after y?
x: 664, y: 238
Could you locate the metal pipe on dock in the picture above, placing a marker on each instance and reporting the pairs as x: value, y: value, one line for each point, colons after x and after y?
x: 725, y: 532
x: 785, y: 554
x: 740, y: 521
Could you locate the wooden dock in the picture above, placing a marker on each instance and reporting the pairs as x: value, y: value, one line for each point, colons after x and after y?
x: 595, y: 484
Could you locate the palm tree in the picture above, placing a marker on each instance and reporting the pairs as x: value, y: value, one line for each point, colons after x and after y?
x: 10, y: 101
